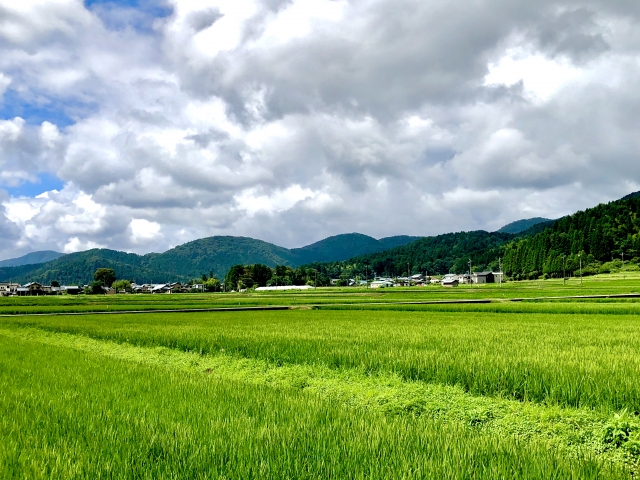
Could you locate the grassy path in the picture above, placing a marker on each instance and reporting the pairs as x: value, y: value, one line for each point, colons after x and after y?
x: 576, y: 432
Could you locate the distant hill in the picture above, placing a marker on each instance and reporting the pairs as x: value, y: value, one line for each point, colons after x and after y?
x: 522, y: 225
x: 31, y: 258
x: 208, y: 255
x: 631, y: 195
x: 345, y: 246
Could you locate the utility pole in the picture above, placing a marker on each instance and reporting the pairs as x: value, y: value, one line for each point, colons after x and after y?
x: 408, y: 275
x: 500, y: 268
x: 469, y: 270
x: 564, y: 269
x: 315, y: 285
x: 580, y: 257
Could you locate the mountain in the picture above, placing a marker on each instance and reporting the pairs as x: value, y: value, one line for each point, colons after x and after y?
x: 522, y: 225
x: 434, y: 255
x: 208, y: 255
x: 217, y: 255
x: 78, y: 268
x: 31, y: 258
x: 345, y: 246
x: 593, y: 237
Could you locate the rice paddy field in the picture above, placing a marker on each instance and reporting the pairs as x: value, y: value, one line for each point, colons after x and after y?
x: 541, y: 380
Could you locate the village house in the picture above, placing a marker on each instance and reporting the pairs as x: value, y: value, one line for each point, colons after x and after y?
x: 483, y: 277
x: 7, y: 289
x: 450, y: 280
x: 30, y: 289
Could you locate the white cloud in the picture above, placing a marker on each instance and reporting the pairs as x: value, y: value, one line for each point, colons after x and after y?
x: 278, y: 201
x: 294, y: 120
x: 143, y: 230
x: 541, y: 76
x: 76, y: 245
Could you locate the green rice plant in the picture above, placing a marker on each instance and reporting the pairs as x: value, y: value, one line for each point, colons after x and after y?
x: 73, y: 415
x: 564, y: 359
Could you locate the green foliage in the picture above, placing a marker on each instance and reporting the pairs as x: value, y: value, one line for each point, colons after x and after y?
x: 345, y: 246
x: 105, y: 275
x: 120, y: 285
x: 565, y: 354
x: 94, y: 288
x: 212, y: 285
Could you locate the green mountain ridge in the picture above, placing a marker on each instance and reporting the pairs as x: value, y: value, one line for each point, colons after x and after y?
x: 212, y: 255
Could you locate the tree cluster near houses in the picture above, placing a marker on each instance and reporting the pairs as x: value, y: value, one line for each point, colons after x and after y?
x: 240, y: 277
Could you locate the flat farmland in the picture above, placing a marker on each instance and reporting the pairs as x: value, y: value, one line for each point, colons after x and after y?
x: 527, y: 291
x: 342, y: 385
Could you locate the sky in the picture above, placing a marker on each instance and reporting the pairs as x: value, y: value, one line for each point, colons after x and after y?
x: 140, y: 125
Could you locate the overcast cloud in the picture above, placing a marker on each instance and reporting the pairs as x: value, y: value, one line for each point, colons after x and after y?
x: 290, y: 121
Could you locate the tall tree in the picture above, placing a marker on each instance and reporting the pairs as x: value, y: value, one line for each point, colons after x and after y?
x: 106, y: 276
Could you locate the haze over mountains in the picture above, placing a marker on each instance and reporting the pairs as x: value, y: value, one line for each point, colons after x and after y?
x: 31, y: 258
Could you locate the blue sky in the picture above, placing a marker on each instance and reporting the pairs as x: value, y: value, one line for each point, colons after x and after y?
x: 46, y: 182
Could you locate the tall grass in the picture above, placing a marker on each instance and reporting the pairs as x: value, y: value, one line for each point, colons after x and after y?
x: 565, y: 359
x: 68, y: 415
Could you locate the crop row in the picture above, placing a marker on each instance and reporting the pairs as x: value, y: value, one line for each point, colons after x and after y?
x: 74, y: 415
x: 565, y: 359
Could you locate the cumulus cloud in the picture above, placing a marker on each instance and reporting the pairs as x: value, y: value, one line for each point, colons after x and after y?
x: 293, y: 120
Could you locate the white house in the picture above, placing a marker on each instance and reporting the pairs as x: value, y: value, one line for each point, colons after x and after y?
x: 7, y: 289
x: 284, y: 288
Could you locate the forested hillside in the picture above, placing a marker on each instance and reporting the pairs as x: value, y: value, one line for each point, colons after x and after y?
x: 433, y: 255
x: 213, y: 256
x: 597, y: 235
